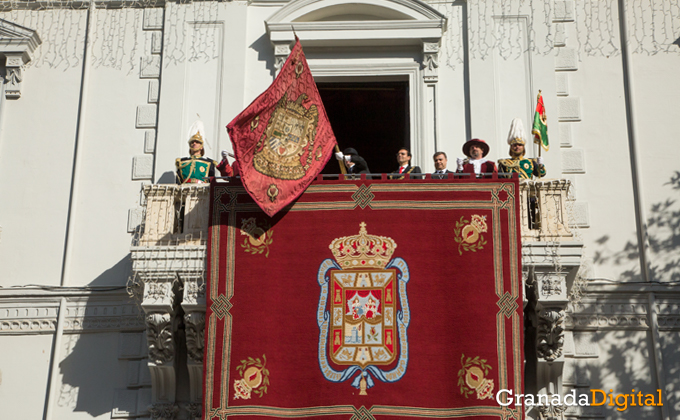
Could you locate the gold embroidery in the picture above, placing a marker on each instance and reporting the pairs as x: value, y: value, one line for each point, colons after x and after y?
x: 363, y: 250
x: 254, y: 378
x: 259, y: 237
x: 471, y: 238
x: 472, y: 377
x: 272, y: 192
x: 289, y: 135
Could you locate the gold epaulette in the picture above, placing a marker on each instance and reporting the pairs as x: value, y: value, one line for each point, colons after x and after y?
x: 509, y: 163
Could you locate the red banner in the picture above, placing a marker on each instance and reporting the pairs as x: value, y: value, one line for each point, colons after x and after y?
x: 283, y: 139
x: 367, y: 299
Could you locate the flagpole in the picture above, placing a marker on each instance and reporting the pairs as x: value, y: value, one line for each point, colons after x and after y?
x: 539, y: 144
x: 343, y: 170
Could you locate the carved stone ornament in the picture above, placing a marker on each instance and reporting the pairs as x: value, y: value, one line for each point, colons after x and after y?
x: 13, y: 79
x: 195, y: 411
x: 195, y: 328
x: 550, y: 339
x: 430, y: 61
x: 194, y: 292
x: 280, y: 61
x: 282, y: 49
x: 159, y: 338
x: 17, y: 44
x: 550, y: 286
x: 163, y: 411
x: 157, y: 291
x: 551, y: 412
x: 281, y: 53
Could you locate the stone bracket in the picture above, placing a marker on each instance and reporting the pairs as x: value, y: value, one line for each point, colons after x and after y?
x: 430, y: 61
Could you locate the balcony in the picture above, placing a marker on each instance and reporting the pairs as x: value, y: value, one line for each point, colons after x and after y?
x: 169, y: 262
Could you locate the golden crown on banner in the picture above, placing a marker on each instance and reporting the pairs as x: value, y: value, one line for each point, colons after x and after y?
x: 362, y: 250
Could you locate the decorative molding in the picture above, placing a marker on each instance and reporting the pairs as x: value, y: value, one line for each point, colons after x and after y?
x: 17, y: 44
x: 403, y: 9
x: 550, y: 340
x: 81, y: 317
x: 607, y: 322
x: 159, y: 337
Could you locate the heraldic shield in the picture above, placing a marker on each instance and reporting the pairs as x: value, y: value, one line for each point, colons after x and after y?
x: 363, y: 313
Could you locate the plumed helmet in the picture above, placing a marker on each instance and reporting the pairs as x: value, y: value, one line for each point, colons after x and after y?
x: 516, y: 134
x: 197, y: 132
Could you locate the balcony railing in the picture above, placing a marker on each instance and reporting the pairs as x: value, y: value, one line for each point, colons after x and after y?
x: 178, y: 214
x: 174, y: 215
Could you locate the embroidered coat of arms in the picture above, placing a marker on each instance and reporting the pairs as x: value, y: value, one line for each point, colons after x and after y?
x: 363, y: 313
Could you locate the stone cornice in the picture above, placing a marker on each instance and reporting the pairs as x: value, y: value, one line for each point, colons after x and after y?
x: 86, y: 312
x: 597, y: 287
x: 18, y: 39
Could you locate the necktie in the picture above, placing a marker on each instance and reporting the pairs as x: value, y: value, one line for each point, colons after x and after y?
x: 401, y: 169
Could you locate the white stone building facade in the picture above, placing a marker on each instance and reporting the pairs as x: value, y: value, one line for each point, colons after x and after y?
x: 96, y: 102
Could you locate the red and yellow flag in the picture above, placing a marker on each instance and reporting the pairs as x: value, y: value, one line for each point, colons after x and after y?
x: 283, y: 139
x: 540, y: 128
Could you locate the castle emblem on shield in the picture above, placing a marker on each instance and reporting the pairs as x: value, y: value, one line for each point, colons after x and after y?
x: 363, y: 312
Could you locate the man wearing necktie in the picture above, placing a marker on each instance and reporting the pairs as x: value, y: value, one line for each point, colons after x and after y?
x: 404, y: 160
x: 440, y: 161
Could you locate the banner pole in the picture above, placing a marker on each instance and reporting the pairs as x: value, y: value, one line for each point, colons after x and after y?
x: 343, y: 170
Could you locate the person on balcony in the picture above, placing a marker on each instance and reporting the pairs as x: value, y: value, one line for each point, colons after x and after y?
x: 224, y: 167
x: 476, y: 162
x: 404, y: 161
x: 440, y: 162
x: 196, y: 168
x: 526, y: 168
x: 355, y: 164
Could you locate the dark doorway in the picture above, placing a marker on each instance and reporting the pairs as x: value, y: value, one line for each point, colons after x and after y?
x: 373, y: 118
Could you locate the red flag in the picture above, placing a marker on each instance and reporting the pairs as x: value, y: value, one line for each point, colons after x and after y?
x: 283, y: 139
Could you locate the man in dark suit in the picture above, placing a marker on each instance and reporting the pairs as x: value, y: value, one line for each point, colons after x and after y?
x: 404, y: 160
x: 355, y: 164
x: 440, y: 162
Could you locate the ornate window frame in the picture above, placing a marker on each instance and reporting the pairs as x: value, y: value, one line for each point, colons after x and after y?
x: 17, y: 44
x: 372, y: 27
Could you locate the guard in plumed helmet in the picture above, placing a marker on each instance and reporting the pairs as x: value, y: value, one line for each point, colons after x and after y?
x: 196, y: 168
x: 526, y: 168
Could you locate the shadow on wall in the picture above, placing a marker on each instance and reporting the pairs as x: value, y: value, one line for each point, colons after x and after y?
x: 116, y: 275
x: 264, y: 49
x: 626, y: 366
x: 663, y: 228
x: 102, y: 346
x: 627, y: 360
